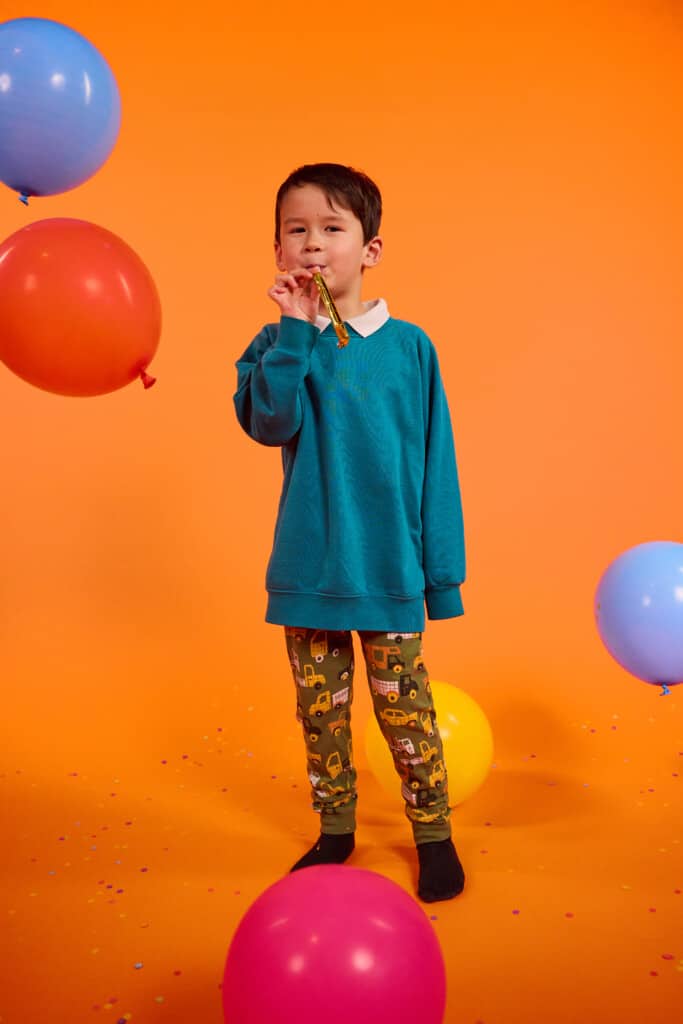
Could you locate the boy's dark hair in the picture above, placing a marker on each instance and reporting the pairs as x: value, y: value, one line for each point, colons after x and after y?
x: 351, y: 189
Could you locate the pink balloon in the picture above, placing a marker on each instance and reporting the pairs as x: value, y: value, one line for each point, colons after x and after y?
x: 338, y: 945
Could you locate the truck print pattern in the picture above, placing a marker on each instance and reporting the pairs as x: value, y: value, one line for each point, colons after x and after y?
x: 322, y: 664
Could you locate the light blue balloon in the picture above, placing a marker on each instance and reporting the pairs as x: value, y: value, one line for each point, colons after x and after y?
x: 639, y: 611
x: 60, y: 109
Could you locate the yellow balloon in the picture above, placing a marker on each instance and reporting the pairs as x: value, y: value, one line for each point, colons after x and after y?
x: 467, y: 744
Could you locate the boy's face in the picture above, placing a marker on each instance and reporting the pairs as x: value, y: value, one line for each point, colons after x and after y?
x: 314, y: 232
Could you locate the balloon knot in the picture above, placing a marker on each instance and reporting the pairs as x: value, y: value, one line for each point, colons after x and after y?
x: 23, y: 198
x: 665, y: 690
x: 147, y: 380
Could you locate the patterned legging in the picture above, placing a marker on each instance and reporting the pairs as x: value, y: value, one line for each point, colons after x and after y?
x: 322, y: 664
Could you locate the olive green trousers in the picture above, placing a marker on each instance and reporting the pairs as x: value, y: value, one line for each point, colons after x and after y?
x: 323, y: 665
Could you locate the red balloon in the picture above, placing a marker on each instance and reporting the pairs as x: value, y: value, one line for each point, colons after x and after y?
x: 79, y: 311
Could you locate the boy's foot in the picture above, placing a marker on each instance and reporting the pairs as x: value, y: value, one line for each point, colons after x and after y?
x: 330, y: 849
x: 441, y: 873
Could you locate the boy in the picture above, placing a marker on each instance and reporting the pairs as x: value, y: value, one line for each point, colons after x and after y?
x: 369, y: 523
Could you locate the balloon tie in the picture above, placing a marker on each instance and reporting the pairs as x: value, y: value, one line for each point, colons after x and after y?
x: 146, y: 379
x: 665, y: 690
x: 23, y: 198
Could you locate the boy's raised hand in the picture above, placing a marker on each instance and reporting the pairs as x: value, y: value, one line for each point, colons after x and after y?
x: 296, y: 293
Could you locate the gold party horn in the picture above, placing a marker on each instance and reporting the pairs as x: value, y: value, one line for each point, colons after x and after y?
x: 340, y: 329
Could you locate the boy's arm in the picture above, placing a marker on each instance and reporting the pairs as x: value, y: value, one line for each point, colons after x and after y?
x: 269, y: 377
x: 443, y: 538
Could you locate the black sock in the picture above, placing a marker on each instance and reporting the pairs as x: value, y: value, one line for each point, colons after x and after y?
x: 330, y: 849
x: 441, y: 873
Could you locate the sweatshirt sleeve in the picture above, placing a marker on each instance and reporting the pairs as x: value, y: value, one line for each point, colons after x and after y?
x: 443, y: 540
x: 269, y: 376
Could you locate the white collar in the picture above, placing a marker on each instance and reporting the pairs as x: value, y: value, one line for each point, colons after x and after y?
x: 376, y: 313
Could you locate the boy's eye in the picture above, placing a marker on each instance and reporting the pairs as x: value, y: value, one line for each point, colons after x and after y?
x: 332, y: 226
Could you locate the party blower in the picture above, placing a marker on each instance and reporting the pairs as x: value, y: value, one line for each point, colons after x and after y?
x: 340, y: 329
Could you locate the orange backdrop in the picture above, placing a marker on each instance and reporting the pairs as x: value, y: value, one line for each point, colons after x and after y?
x: 529, y: 156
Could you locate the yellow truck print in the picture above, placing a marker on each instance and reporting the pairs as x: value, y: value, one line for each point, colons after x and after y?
x: 310, y: 678
x: 397, y: 717
x: 426, y: 723
x: 387, y: 658
x: 331, y: 791
x: 335, y: 766
x: 411, y: 719
x: 319, y: 646
x: 322, y: 704
x: 326, y: 701
x: 426, y: 817
x: 438, y: 774
x: 428, y: 752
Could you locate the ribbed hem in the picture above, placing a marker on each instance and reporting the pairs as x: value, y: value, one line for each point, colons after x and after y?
x: 315, y: 611
x: 430, y: 832
x: 339, y: 824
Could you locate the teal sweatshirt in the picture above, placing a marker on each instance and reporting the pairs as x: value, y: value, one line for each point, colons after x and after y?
x: 369, y: 525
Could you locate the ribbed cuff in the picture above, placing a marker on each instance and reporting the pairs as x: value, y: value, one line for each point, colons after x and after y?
x: 444, y: 602
x: 296, y: 335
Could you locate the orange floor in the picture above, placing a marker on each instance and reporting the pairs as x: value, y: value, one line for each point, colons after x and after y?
x: 121, y: 890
